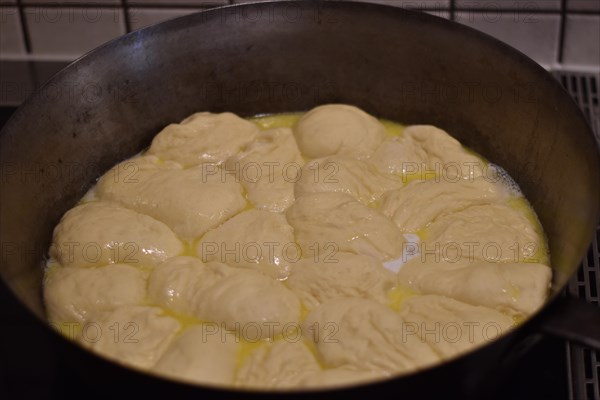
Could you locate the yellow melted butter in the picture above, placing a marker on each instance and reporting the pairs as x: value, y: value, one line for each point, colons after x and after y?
x: 312, y: 347
x: 518, y: 319
x: 541, y: 253
x: 423, y: 233
x: 397, y: 296
x: 70, y: 330
x: 289, y: 120
x: 392, y: 128
x: 286, y: 120
x: 189, y: 248
x: 245, y: 350
x: 303, y: 312
x: 186, y: 321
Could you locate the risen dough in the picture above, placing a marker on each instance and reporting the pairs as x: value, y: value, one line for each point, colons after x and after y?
x: 99, y: 233
x: 134, y: 335
x: 190, y: 201
x: 203, y: 137
x: 281, y: 365
x: 177, y: 283
x: 242, y: 300
x: 72, y: 294
x: 507, y: 287
x: 435, y: 198
x: 422, y: 150
x: 201, y: 354
x: 358, y: 178
x: 452, y: 327
x: 254, y: 305
x: 289, y: 364
x: 338, y: 129
x: 299, y: 229
x: 366, y: 335
x: 344, y: 275
x: 329, y: 222
x: 400, y: 156
x: 492, y: 232
x: 268, y: 168
x: 254, y: 239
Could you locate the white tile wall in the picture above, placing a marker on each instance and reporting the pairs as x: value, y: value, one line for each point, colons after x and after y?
x: 418, y: 4
x: 248, y: 1
x: 77, y: 29
x: 583, y: 5
x: 582, y: 40
x: 186, y: 2
x: 11, y: 34
x: 71, y: 31
x: 530, y: 5
x: 535, y: 35
x: 142, y: 17
x: 72, y: 2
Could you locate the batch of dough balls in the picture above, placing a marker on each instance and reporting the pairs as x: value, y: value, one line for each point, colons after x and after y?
x: 258, y: 255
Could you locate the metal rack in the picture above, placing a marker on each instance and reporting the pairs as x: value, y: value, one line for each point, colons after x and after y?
x: 583, y: 363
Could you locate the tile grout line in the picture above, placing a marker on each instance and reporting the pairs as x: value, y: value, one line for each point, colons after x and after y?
x: 24, y: 27
x: 561, y: 31
x: 125, y: 7
x: 452, y: 9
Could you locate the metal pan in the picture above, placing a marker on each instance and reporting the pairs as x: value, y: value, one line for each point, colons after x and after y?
x: 291, y: 56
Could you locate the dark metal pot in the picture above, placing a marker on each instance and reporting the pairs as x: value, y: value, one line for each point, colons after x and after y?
x: 291, y: 56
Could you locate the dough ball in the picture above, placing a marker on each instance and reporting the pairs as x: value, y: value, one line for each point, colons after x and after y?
x: 255, y: 239
x: 421, y: 202
x: 327, y: 223
x: 132, y: 335
x: 422, y: 150
x: 129, y: 172
x: 451, y: 327
x: 506, y: 287
x: 283, y: 364
x: 492, y: 232
x: 399, y: 155
x: 190, y: 201
x: 72, y: 294
x: 344, y: 275
x: 177, y: 283
x: 268, y: 168
x: 338, y: 129
x: 99, y: 233
x: 290, y: 364
x: 360, y: 179
x: 364, y: 334
x: 201, y: 354
x: 203, y: 137
x: 242, y: 300
x: 250, y: 303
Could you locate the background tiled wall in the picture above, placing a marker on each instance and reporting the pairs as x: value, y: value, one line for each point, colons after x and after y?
x: 555, y: 33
